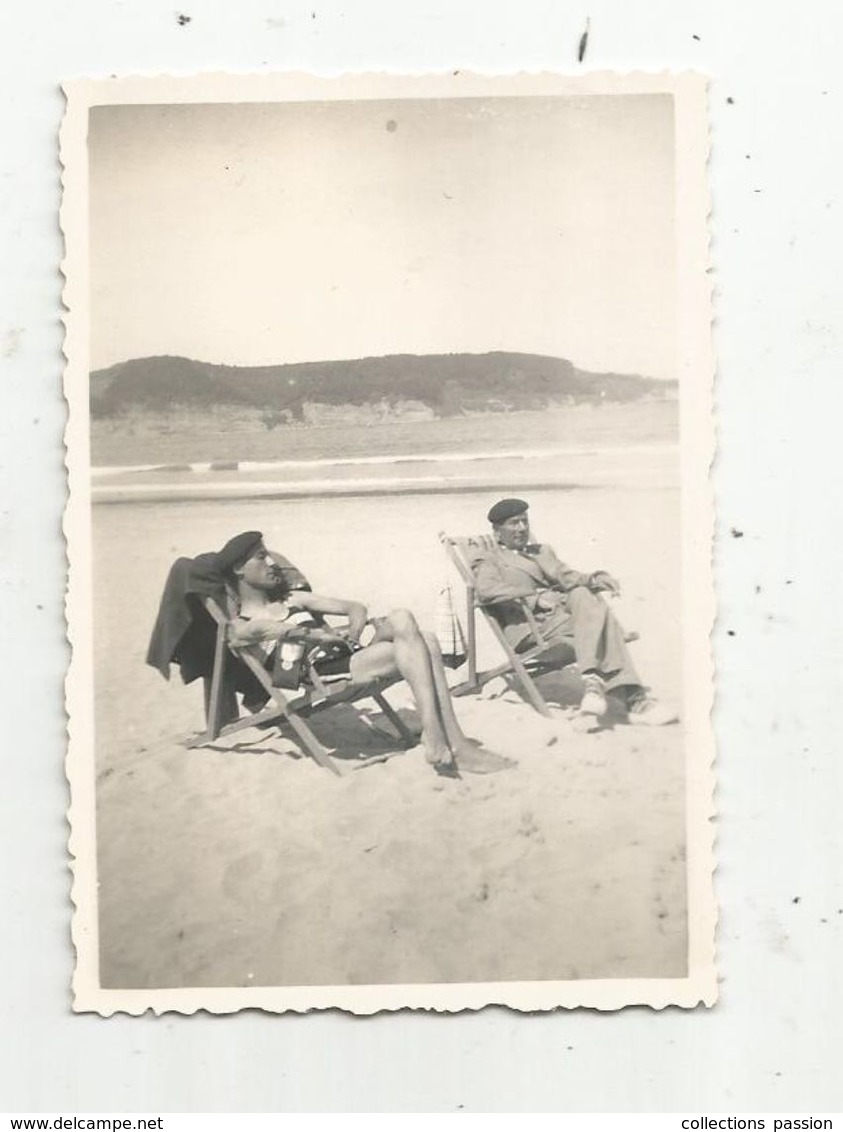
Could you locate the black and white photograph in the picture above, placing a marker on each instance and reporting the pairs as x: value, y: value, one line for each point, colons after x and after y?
x: 390, y: 536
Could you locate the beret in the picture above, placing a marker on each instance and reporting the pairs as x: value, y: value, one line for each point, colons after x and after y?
x: 238, y: 550
x: 506, y: 509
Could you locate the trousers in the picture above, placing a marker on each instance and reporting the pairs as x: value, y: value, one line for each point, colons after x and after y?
x: 586, y: 630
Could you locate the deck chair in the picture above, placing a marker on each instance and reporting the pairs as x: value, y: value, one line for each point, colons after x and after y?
x: 519, y: 667
x: 288, y: 709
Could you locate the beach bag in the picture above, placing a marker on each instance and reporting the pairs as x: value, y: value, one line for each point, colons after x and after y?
x: 448, y: 629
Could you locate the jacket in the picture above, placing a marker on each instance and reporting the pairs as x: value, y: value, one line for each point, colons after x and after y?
x: 184, y: 633
x: 502, y: 578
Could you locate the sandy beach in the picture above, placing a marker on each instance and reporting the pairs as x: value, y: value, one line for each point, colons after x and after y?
x: 250, y: 866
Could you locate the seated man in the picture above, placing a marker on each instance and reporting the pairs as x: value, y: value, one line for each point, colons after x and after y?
x: 265, y: 616
x: 573, y: 618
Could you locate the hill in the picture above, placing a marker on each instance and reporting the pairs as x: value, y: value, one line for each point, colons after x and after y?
x: 448, y: 384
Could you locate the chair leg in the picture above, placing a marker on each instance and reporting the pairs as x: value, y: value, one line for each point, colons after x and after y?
x: 219, y: 696
x: 302, y: 732
x: 231, y: 724
x: 213, y: 693
x: 530, y: 689
x: 319, y: 753
x: 408, y: 739
x: 471, y: 643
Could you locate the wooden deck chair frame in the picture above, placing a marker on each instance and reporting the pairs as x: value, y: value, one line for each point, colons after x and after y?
x: 520, y: 667
x: 290, y: 712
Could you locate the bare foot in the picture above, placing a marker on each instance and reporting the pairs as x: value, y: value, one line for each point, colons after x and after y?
x: 474, y: 758
x: 442, y: 761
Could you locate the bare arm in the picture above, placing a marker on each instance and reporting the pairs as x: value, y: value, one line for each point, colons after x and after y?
x: 253, y: 630
x: 355, y: 612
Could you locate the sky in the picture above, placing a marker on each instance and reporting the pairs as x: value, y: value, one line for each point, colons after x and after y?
x: 259, y: 234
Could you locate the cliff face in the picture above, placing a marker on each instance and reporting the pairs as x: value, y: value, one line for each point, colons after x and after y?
x: 448, y: 384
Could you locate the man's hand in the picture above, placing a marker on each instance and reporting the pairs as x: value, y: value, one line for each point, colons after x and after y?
x: 327, y: 636
x: 310, y: 634
x: 347, y: 633
x: 548, y: 600
x: 602, y: 582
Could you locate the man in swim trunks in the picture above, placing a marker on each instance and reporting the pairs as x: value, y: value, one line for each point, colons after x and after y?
x: 570, y: 611
x: 266, y: 616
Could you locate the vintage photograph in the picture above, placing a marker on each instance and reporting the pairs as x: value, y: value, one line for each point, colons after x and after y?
x: 389, y: 535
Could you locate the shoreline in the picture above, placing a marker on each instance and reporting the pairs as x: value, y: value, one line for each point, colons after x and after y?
x: 531, y: 470
x: 232, y: 490
x: 203, y: 466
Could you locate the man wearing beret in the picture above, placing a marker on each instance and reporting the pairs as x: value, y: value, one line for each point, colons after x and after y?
x: 570, y: 611
x: 267, y: 614
x: 178, y: 636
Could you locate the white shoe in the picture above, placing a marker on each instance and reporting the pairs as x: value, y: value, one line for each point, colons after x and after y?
x: 650, y: 713
x: 594, y: 701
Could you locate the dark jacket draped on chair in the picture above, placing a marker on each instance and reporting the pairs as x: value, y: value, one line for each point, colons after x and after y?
x: 184, y: 633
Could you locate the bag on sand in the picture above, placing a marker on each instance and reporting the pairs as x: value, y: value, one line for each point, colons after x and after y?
x: 448, y: 629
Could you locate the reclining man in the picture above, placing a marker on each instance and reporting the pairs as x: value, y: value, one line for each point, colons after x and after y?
x: 267, y: 616
x: 568, y: 609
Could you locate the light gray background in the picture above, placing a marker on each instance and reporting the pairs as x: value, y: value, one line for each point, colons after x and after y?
x: 773, y: 1042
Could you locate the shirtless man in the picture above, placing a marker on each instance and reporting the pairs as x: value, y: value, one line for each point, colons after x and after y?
x: 398, y: 647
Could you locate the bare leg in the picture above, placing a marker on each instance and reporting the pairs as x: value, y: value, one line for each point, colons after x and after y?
x: 466, y: 750
x: 401, y: 628
x: 407, y: 654
x: 468, y: 754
